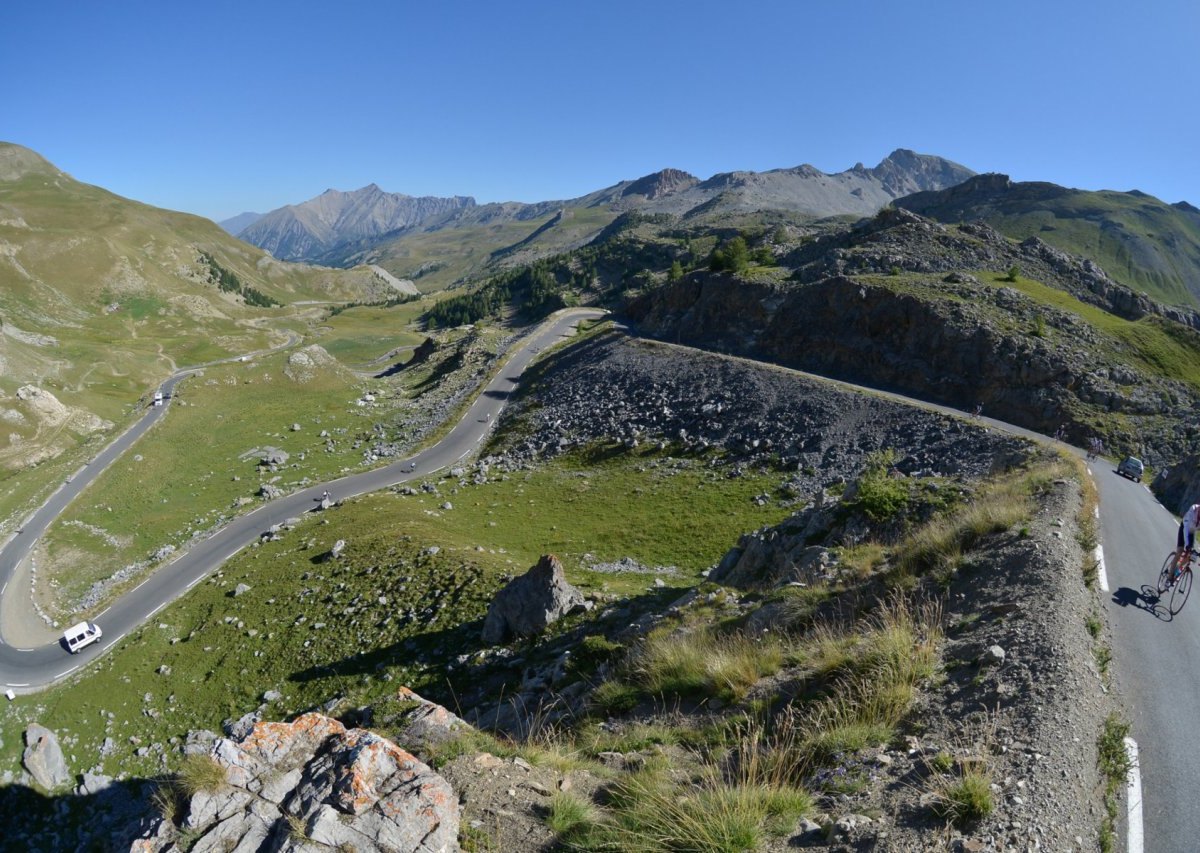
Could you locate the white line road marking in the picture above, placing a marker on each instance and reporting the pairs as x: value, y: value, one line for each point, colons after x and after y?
x: 67, y: 672
x: 1089, y: 470
x: 1134, y: 797
x: 1096, y: 511
x: 12, y: 684
x: 196, y: 581
x: 3, y: 588
x: 24, y: 650
x: 1100, y: 571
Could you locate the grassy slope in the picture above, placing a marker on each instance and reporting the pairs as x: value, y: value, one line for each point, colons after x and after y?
x: 1138, y: 240
x: 187, y: 474
x: 102, y: 297
x: 685, y: 517
x: 1155, y: 346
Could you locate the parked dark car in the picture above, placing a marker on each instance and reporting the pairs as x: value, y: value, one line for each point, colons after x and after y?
x: 1131, y: 468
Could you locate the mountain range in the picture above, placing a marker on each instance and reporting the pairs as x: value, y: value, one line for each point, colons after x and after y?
x: 308, y: 231
x: 417, y: 237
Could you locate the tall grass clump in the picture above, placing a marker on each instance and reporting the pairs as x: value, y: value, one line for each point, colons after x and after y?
x: 1114, y: 767
x: 705, y: 662
x: 939, y: 544
x: 872, y: 675
x: 964, y: 799
x: 200, y: 773
x: 649, y: 813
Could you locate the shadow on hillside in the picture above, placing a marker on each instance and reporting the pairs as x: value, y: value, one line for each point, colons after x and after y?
x: 111, y: 819
x: 441, y: 647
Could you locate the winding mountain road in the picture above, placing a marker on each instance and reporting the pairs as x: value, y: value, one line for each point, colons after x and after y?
x: 29, y: 669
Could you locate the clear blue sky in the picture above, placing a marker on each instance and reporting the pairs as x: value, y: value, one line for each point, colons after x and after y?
x: 221, y: 107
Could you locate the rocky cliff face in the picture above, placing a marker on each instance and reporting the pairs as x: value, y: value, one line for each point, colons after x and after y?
x: 951, y: 339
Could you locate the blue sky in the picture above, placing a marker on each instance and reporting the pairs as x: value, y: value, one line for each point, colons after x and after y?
x: 222, y: 107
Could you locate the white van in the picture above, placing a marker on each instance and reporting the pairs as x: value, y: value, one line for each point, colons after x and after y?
x: 83, y: 634
x: 158, y: 398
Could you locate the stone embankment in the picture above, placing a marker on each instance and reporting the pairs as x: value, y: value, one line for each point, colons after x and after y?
x: 636, y: 393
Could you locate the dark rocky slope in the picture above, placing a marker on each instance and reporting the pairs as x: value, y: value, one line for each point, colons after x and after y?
x: 893, y: 303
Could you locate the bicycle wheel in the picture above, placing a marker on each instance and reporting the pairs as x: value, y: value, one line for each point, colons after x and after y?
x: 1164, y: 576
x: 1179, y: 594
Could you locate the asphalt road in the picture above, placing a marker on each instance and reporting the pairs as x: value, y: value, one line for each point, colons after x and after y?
x: 1156, y: 658
x: 30, y: 669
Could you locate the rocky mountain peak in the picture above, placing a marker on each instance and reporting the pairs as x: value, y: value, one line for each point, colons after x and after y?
x: 313, y: 229
x: 661, y: 183
x: 904, y: 172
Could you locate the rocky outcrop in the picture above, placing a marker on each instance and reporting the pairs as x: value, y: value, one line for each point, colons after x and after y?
x: 422, y: 353
x: 612, y: 388
x: 1178, y: 487
x: 310, y: 785
x: 50, y: 412
x: 43, y: 758
x: 1148, y: 244
x: 423, y: 724
x: 528, y: 604
x: 977, y: 344
x: 303, y: 364
x: 781, y: 554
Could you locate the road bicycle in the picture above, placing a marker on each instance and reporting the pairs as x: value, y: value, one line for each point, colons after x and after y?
x: 1177, y: 583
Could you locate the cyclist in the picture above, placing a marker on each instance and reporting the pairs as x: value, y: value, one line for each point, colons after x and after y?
x: 1186, y: 541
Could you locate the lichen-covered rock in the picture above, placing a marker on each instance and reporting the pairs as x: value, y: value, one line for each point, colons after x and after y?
x: 313, y: 784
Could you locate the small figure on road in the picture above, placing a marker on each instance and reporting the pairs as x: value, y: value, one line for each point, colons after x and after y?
x: 325, y: 495
x: 978, y: 410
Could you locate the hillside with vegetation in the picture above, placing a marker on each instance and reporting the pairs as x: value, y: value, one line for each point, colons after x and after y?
x: 1142, y: 242
x: 679, y: 600
x: 784, y: 637
x: 101, y: 298
x: 957, y: 314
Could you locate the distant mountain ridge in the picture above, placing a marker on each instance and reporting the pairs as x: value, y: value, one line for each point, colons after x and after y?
x: 418, y: 235
x: 1140, y: 241
x: 309, y: 230
x: 235, y: 225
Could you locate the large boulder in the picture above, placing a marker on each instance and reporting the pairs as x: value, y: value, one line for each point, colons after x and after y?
x: 531, y: 602
x: 314, y: 784
x: 43, y: 758
x: 781, y: 554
